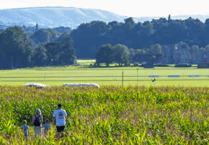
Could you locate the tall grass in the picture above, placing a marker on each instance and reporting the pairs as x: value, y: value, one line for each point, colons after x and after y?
x: 110, y: 115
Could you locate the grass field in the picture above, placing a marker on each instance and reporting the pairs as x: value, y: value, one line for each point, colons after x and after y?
x: 104, y: 76
x: 111, y: 114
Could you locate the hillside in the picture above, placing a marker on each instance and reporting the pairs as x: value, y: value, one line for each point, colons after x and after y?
x: 55, y: 16
x: 63, y: 16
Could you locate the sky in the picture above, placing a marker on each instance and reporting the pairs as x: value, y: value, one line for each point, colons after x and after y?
x: 131, y: 8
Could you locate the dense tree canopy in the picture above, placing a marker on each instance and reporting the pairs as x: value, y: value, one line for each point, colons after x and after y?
x: 40, y: 56
x: 125, y: 42
x: 105, y: 54
x: 16, y: 49
x: 121, y: 54
x: 61, y: 53
x: 43, y: 36
x: 67, y: 53
x: 88, y: 37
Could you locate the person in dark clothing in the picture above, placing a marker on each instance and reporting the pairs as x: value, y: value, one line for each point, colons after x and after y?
x: 37, y: 121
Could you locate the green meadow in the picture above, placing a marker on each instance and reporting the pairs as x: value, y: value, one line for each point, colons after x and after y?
x: 168, y: 111
x: 84, y: 73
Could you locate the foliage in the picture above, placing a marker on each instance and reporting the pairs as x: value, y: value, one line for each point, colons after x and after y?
x: 110, y: 115
x: 89, y: 36
x: 17, y: 51
x: 40, y: 56
x: 61, y: 53
x: 42, y: 36
x: 154, y: 49
x: 14, y: 48
x: 121, y: 54
x: 105, y: 54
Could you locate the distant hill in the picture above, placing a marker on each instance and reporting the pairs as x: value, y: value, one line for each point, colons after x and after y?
x: 68, y: 17
x: 55, y: 16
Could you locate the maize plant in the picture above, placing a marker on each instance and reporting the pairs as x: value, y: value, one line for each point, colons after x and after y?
x: 109, y: 115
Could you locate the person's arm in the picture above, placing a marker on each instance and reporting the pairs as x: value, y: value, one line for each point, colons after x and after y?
x: 28, y: 130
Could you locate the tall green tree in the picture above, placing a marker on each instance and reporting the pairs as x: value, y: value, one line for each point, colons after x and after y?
x: 43, y: 36
x: 15, y: 48
x: 122, y: 54
x: 67, y: 54
x: 61, y: 53
x: 52, y: 49
x: 155, y: 49
x: 105, y: 54
x: 182, y: 45
x: 40, y: 56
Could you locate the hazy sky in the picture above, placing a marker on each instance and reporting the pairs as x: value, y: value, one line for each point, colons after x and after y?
x: 133, y: 8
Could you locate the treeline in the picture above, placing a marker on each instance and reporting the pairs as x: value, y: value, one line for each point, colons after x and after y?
x: 153, y: 54
x: 17, y: 50
x: 122, y: 55
x: 32, y: 46
x: 89, y: 37
x: 32, y: 29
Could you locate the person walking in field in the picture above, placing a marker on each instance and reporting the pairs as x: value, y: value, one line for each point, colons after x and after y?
x: 60, y: 116
x: 37, y: 121
x: 25, y: 129
x: 46, y: 127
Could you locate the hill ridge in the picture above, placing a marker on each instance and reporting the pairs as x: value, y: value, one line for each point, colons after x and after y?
x: 55, y: 16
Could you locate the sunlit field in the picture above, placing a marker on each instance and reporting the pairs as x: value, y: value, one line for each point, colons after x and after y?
x: 167, y: 110
x: 109, y: 115
x: 84, y: 73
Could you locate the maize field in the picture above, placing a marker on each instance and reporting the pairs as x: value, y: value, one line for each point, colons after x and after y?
x: 109, y: 115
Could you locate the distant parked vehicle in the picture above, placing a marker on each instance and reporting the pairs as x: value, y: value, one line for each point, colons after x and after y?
x: 183, y: 65
x: 37, y: 85
x: 81, y: 84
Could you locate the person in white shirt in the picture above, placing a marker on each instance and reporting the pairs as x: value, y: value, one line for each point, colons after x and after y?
x: 60, y: 116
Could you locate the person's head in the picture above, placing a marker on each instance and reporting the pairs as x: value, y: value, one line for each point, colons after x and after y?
x: 47, y: 121
x: 24, y: 122
x: 38, y: 112
x: 59, y: 106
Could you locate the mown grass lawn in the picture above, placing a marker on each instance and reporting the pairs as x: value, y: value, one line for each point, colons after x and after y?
x: 105, y: 76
